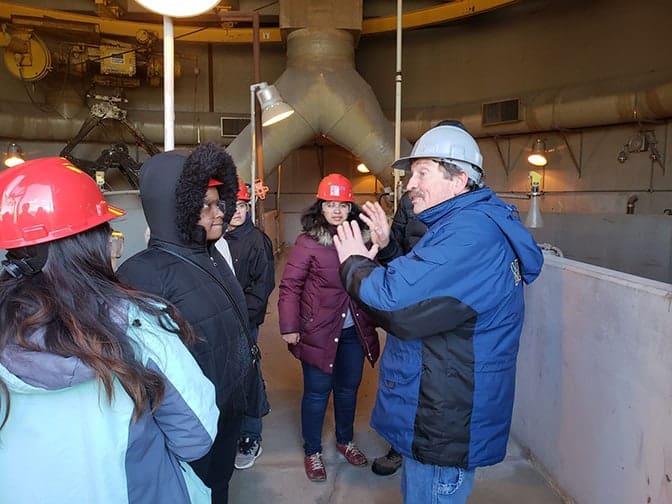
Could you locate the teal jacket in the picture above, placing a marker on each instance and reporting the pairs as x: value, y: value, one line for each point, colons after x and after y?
x: 64, y: 441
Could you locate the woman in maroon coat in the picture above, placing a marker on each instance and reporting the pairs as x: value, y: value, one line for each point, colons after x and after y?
x: 323, y: 327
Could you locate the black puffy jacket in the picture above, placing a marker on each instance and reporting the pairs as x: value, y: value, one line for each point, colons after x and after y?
x: 406, y: 230
x: 252, y: 255
x: 172, y: 187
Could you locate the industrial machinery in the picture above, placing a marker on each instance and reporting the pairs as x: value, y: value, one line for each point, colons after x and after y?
x: 105, y: 62
x: 77, y: 51
x: 117, y: 155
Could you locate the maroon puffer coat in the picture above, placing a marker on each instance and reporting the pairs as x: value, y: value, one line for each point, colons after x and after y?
x: 313, y: 303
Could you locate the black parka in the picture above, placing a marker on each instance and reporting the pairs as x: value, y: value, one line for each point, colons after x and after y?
x: 172, y: 188
x: 252, y: 255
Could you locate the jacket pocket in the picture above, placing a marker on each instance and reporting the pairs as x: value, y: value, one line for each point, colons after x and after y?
x: 401, y: 363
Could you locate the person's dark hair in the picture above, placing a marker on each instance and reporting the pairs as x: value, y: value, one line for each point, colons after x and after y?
x: 451, y: 170
x: 205, y: 162
x: 313, y: 217
x: 74, y: 298
x: 452, y: 122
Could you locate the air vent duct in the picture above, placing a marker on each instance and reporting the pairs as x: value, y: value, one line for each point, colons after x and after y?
x: 231, y: 126
x: 501, y: 112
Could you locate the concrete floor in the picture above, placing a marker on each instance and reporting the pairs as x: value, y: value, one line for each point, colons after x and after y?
x: 278, y: 476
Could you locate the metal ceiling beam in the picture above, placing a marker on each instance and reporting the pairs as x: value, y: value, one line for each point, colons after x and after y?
x: 120, y: 28
x: 433, y: 15
x: 423, y: 17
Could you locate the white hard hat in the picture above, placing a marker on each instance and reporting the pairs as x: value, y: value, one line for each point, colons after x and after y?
x: 447, y: 143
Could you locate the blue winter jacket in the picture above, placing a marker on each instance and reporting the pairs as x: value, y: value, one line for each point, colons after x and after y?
x: 454, y: 310
x: 65, y: 442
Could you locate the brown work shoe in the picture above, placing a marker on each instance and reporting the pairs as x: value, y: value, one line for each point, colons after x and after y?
x: 315, y: 467
x: 352, y: 454
x: 387, y: 464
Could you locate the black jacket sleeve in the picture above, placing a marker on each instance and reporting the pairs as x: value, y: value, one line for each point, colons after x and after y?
x: 261, y: 282
x: 405, y: 232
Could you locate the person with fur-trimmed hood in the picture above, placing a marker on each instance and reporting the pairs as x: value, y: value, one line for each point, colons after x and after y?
x: 324, y: 328
x: 187, y: 198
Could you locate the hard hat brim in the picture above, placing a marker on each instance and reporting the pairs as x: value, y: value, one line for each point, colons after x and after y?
x: 404, y: 163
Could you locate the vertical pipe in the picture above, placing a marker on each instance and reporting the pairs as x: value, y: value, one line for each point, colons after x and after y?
x: 397, y: 108
x: 168, y: 85
x: 211, y: 80
x: 257, y: 154
x: 253, y: 155
x: 277, y: 194
x: 258, y: 145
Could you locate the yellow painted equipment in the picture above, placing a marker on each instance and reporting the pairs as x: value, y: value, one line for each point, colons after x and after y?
x: 26, y: 56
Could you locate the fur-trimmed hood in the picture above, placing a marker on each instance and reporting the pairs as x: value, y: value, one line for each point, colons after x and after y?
x: 172, y: 188
x: 324, y: 235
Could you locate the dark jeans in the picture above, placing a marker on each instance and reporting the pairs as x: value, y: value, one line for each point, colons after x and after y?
x: 251, y: 427
x: 216, y: 468
x: 317, y: 387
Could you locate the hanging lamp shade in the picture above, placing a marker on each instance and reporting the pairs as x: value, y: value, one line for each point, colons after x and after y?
x: 538, y: 155
x: 178, y: 8
x: 273, y: 107
x: 14, y: 155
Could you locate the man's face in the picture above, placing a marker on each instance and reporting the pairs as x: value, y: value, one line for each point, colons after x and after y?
x: 239, y: 217
x: 429, y: 184
x: 212, y: 216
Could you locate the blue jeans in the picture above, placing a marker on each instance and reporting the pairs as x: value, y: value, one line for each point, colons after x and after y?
x: 432, y: 484
x: 317, y: 387
x: 251, y: 426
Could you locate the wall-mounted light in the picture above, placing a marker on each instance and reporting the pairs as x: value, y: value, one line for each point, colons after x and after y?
x: 14, y: 155
x: 362, y: 168
x: 273, y: 107
x: 538, y: 155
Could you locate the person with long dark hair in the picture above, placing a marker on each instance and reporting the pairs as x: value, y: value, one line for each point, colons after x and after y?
x: 324, y: 328
x: 100, y: 400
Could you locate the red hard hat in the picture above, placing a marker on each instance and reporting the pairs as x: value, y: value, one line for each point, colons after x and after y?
x: 46, y: 199
x: 243, y: 193
x: 335, y: 187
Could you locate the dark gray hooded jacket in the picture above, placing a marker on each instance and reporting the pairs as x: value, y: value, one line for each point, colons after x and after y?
x: 172, y: 188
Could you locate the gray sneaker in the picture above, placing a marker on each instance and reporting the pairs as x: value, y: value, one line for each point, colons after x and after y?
x: 248, y: 451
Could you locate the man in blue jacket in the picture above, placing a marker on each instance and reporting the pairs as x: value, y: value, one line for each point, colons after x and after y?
x: 454, y: 308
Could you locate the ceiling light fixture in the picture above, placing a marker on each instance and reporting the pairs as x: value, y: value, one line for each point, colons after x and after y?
x: 178, y: 8
x: 273, y: 107
x: 362, y: 168
x: 538, y: 155
x: 14, y: 155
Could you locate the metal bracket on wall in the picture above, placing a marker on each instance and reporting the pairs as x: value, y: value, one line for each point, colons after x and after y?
x: 577, y: 164
x: 505, y: 164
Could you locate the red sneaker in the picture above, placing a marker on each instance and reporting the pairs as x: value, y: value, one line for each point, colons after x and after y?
x: 352, y: 454
x: 315, y: 467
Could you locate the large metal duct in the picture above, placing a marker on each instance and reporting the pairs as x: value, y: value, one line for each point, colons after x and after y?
x: 330, y: 99
x: 626, y: 100
x: 582, y: 106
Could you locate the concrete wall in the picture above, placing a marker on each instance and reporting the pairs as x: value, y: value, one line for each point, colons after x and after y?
x: 637, y: 244
x: 594, y: 383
